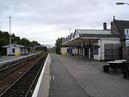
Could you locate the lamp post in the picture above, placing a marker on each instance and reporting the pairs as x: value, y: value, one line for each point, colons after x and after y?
x: 122, y: 3
x: 10, y: 34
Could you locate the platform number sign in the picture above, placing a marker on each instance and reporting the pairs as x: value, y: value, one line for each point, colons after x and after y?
x: 126, y: 32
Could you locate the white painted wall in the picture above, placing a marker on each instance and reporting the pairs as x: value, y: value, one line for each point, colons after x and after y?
x: 74, y: 51
x: 9, y: 50
x: 96, y: 56
x: 17, y: 49
x: 81, y: 51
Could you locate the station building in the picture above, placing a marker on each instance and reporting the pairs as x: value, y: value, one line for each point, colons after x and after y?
x: 100, y: 44
x: 93, y: 44
x: 15, y: 49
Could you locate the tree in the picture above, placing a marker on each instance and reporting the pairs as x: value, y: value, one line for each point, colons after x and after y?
x: 4, y: 40
x: 58, y: 45
x: 25, y: 42
x: 34, y: 43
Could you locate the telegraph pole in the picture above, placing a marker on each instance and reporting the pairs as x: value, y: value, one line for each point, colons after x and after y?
x: 10, y: 32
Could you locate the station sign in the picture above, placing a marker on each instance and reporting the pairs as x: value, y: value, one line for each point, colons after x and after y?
x: 127, y: 42
x: 126, y: 32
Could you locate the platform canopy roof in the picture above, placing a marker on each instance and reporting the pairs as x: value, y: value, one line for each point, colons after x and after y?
x: 94, y: 33
x: 14, y: 45
x: 80, y: 34
x: 90, y: 31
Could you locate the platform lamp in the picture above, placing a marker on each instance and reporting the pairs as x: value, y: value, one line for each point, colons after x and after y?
x: 121, y: 3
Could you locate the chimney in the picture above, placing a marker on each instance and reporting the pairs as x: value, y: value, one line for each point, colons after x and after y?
x: 104, y: 26
x: 113, y: 17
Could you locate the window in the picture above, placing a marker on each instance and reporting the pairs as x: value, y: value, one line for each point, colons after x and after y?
x: 95, y: 50
x: 13, y: 50
x: 126, y: 31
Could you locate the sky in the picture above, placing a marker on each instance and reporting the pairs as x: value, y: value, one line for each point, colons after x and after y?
x: 47, y: 20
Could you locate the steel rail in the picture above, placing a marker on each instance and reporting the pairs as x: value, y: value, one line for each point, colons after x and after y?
x: 24, y: 74
x: 34, y: 81
x: 11, y: 68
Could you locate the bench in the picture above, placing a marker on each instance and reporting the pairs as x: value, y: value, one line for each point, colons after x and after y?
x: 121, y: 64
x: 106, y: 68
x: 126, y: 73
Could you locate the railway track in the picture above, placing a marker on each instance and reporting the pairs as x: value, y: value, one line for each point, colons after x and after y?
x: 24, y: 85
x: 10, y: 67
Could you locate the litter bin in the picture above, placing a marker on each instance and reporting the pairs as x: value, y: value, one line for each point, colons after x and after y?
x: 17, y: 54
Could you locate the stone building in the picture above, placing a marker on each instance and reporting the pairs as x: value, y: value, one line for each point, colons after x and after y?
x: 121, y: 27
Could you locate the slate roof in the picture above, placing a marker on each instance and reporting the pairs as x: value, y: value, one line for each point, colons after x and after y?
x: 90, y: 31
x: 95, y: 33
x: 122, y: 24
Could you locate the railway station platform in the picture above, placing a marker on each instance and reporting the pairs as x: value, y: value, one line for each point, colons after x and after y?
x: 74, y: 77
x: 6, y: 59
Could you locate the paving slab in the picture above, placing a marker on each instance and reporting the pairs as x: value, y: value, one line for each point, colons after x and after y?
x: 87, y: 74
x: 62, y: 82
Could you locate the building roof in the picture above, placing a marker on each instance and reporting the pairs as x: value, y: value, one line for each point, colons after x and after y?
x: 122, y: 24
x: 14, y: 45
x: 94, y: 33
x: 91, y: 33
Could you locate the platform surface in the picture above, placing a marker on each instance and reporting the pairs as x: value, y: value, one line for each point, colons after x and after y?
x: 75, y: 77
x: 63, y: 83
x: 6, y: 59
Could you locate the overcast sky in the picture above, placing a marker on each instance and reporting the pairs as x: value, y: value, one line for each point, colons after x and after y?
x: 46, y: 20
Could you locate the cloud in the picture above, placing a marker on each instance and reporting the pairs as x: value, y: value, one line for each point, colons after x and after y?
x: 46, y: 20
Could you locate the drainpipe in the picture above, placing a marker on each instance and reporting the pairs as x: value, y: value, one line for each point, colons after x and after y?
x: 89, y: 51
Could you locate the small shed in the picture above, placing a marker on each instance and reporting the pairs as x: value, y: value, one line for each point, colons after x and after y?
x: 15, y: 49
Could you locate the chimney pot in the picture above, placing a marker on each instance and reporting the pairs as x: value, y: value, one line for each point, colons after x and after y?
x: 113, y: 17
x: 104, y: 26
